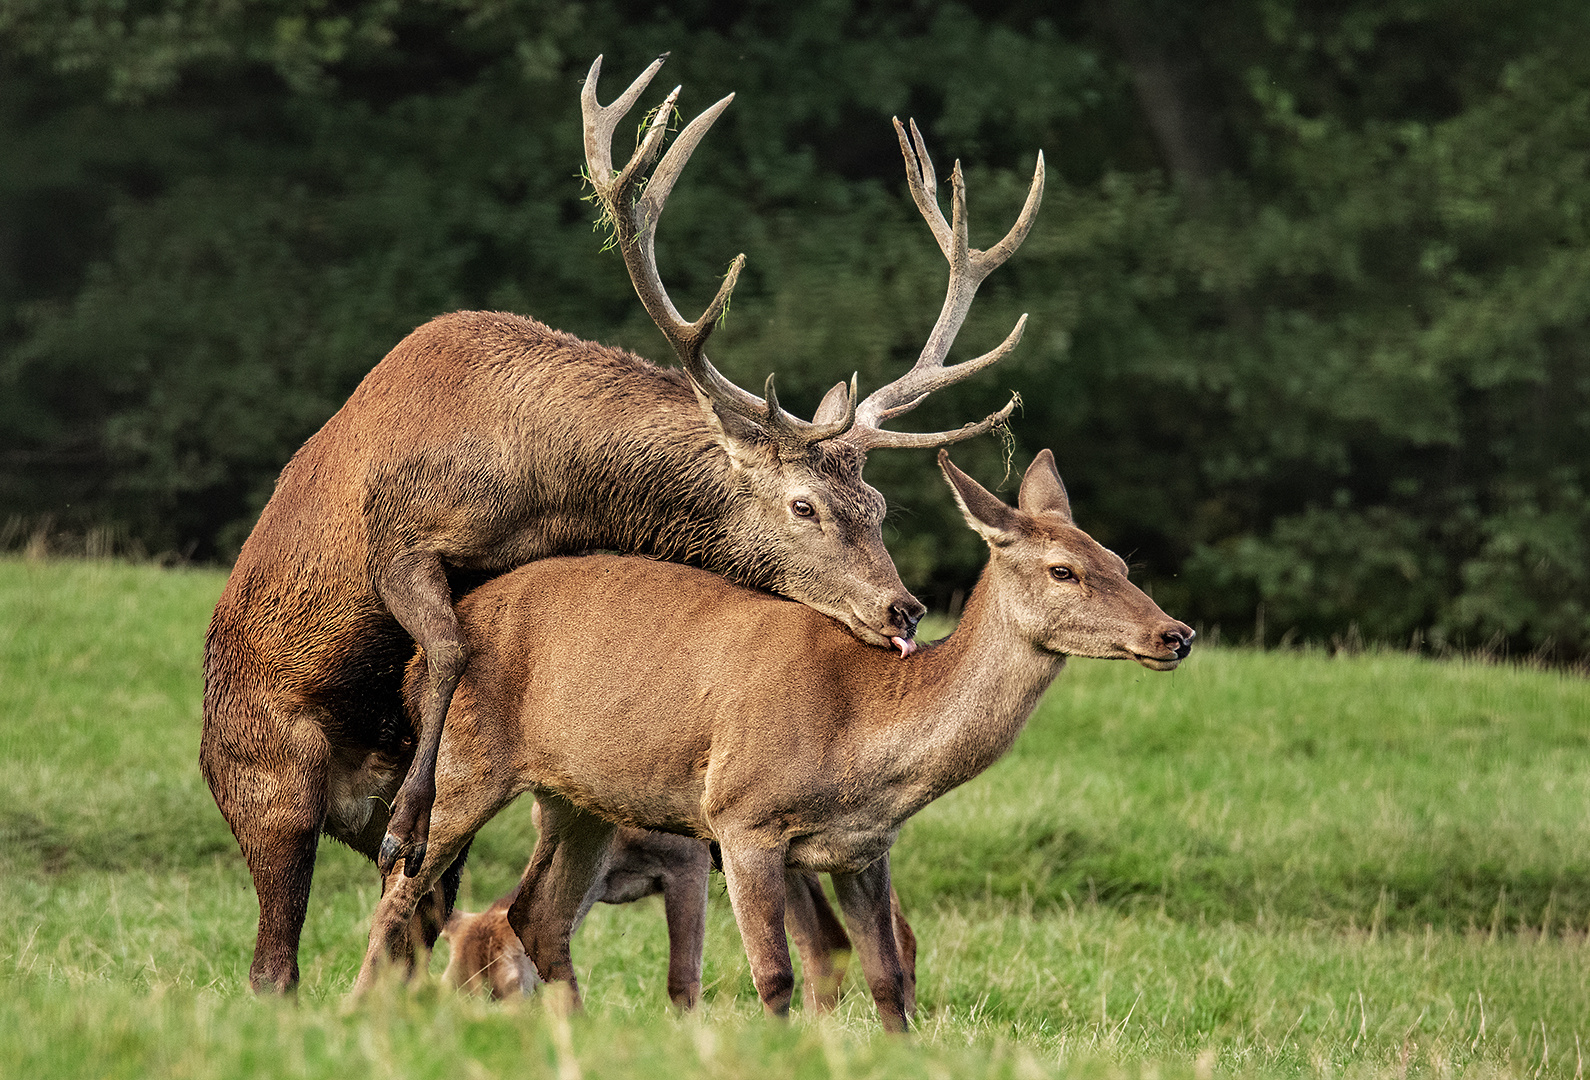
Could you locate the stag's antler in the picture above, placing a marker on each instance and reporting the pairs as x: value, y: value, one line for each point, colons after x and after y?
x: 968, y: 268
x: 635, y: 221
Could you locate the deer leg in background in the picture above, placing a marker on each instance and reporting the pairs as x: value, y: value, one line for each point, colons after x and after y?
x: 565, y: 877
x: 685, y: 905
x: 905, y: 941
x: 864, y: 897
x: 434, y: 908
x: 755, y: 876
x: 415, y: 590
x: 820, y: 939
x: 269, y: 781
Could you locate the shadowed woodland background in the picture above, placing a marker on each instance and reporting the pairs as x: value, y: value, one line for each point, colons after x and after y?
x: 1309, y: 292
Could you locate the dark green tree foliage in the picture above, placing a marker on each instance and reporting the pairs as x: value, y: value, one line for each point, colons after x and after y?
x: 1309, y: 292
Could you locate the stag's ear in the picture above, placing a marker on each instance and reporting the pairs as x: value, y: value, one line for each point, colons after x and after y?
x: 835, y: 404
x: 990, y: 518
x: 744, y: 442
x: 1041, y: 489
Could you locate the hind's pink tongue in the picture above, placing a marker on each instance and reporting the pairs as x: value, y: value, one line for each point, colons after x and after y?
x: 906, y: 647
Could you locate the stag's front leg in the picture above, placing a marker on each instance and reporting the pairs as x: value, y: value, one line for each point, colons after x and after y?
x: 415, y: 590
x: 754, y: 872
x: 566, y: 876
x: 865, y: 899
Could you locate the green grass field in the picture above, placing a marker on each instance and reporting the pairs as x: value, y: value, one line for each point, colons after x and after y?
x: 1276, y: 863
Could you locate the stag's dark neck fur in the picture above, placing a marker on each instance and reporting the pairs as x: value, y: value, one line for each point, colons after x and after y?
x: 636, y: 467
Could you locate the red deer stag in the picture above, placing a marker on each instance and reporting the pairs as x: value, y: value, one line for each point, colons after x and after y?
x: 728, y: 714
x: 484, y: 441
x: 487, y: 953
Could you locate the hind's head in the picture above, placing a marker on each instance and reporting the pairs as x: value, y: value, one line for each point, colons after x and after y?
x: 1065, y: 592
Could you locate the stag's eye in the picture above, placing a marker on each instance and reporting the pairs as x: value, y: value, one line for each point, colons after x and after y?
x: 1062, y: 573
x: 802, y: 508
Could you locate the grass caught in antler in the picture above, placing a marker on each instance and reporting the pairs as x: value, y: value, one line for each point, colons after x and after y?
x: 1275, y: 863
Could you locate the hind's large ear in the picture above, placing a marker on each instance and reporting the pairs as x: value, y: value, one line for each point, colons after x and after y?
x: 990, y: 518
x: 1041, y: 489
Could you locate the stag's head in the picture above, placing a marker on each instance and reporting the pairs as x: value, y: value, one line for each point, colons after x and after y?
x: 1065, y: 592
x: 815, y: 527
x: 800, y: 483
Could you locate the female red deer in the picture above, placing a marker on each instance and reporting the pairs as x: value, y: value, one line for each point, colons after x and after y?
x: 484, y: 441
x: 725, y: 713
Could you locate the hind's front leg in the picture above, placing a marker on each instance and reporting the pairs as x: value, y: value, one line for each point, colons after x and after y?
x: 870, y: 911
x: 470, y: 794
x: 566, y: 875
x: 753, y: 868
x: 392, y: 928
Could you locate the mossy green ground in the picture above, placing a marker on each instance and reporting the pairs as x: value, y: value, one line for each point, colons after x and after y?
x: 1276, y: 863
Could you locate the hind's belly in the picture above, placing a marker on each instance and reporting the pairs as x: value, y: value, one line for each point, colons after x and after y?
x: 840, y: 849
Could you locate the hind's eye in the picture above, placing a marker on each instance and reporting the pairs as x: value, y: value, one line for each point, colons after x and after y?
x: 802, y: 508
x: 1061, y: 573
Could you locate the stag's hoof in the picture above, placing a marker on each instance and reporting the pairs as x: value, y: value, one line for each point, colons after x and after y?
x: 390, y: 848
x: 393, y: 849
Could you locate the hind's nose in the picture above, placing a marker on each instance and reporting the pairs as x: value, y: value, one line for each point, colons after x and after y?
x: 1179, y: 640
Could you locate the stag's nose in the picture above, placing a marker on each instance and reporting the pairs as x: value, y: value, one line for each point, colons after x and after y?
x: 1179, y: 640
x: 906, y: 616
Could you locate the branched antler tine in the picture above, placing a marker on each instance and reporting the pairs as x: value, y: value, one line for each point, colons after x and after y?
x: 872, y: 438
x: 923, y: 184
x: 782, y: 423
x: 1003, y: 250
x: 901, y: 409
x: 601, y: 121
x: 650, y: 146
x: 688, y: 339
x: 909, y: 391
x: 961, y: 247
x: 662, y: 180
